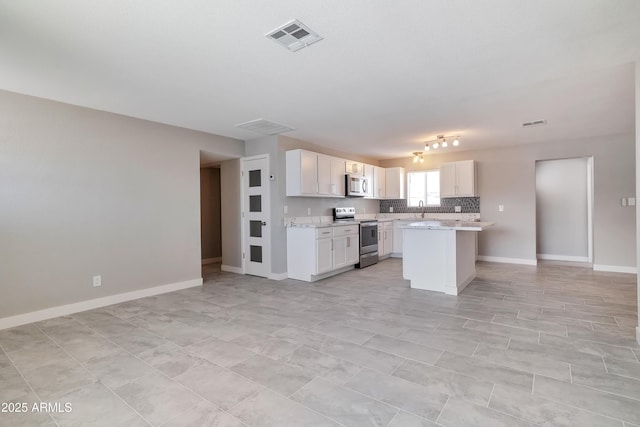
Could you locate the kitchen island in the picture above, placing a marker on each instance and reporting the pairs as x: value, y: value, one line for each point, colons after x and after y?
x: 440, y: 255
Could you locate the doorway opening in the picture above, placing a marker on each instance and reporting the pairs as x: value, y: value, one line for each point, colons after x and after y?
x: 564, y: 210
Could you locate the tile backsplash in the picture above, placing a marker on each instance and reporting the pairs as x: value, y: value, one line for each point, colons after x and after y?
x: 447, y: 205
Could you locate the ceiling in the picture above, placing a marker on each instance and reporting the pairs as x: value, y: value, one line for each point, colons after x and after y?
x: 387, y: 76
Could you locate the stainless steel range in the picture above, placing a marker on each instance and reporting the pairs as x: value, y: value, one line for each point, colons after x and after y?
x: 368, y: 235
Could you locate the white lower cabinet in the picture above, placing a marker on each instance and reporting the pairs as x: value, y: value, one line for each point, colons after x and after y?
x: 385, y: 238
x: 334, y: 248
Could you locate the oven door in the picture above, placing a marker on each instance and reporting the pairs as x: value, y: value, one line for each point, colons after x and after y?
x: 368, y: 237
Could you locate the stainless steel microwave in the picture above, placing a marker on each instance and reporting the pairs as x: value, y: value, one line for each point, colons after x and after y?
x: 356, y: 185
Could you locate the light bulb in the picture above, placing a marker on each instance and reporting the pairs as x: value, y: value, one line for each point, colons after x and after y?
x: 456, y: 142
x: 436, y: 145
x: 415, y: 158
x: 444, y: 143
x: 421, y: 159
x: 426, y: 147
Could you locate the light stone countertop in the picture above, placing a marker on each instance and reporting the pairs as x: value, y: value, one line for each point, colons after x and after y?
x: 448, y: 225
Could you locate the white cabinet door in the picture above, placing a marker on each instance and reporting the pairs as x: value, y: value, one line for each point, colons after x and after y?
x: 368, y: 174
x: 394, y: 187
x: 354, y: 167
x: 308, y: 172
x: 339, y: 252
x: 324, y: 175
x: 465, y: 178
x: 353, y: 249
x: 337, y: 176
x: 385, y: 245
x: 448, y: 180
x: 324, y: 255
x: 379, y: 180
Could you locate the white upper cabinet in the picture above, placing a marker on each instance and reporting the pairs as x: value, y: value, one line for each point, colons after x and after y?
x: 356, y: 168
x: 313, y: 174
x: 368, y: 173
x: 379, y: 181
x: 458, y: 179
x: 395, y: 183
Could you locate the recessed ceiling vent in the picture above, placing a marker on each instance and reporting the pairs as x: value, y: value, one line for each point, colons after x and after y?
x: 534, y: 123
x: 264, y: 127
x: 294, y: 35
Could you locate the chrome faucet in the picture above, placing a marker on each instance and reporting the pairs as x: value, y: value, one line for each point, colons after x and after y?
x: 421, y: 205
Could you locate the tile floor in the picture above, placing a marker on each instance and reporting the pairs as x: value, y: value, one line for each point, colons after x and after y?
x: 552, y: 345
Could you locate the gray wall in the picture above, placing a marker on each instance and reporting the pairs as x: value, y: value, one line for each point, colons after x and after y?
x: 637, y: 171
x: 507, y: 176
x: 84, y: 193
x: 230, y: 215
x: 561, y: 207
x: 210, y: 237
x: 276, y: 147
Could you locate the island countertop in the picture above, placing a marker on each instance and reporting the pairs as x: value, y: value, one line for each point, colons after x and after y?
x: 448, y: 225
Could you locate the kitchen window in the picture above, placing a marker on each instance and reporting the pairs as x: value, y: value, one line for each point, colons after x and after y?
x: 425, y: 186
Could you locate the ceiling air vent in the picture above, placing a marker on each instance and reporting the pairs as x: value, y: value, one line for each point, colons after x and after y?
x: 293, y: 35
x: 264, y: 127
x: 534, y: 123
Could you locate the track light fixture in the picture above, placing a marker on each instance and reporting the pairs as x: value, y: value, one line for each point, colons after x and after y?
x: 417, y: 157
x: 441, y: 141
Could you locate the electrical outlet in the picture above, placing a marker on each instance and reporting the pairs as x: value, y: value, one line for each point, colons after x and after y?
x: 631, y: 201
x: 308, y: 211
x: 623, y: 201
x: 286, y: 209
x: 500, y: 208
x: 97, y: 281
x: 458, y: 209
x: 391, y: 209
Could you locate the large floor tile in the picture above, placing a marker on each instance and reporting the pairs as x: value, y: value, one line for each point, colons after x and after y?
x: 343, y: 405
x: 486, y: 370
x: 266, y: 345
x: 545, y: 412
x: 368, y: 357
x: 460, y: 413
x: 524, y: 361
x: 273, y: 374
x: 220, y: 352
x: 403, y: 348
x: 606, y: 381
x: 624, y: 368
x: 157, y: 398
x: 54, y: 379
x: 95, y: 405
x: 170, y: 359
x: 405, y: 419
x: 446, y: 381
x: 400, y: 393
x: 21, y: 337
x: 589, y: 399
x: 321, y: 364
x: 218, y: 385
x: 269, y: 409
x: 117, y: 369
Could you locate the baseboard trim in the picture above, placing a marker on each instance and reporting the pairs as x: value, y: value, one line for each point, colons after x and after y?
x: 231, y: 269
x: 521, y: 261
x: 211, y: 260
x: 549, y: 257
x: 615, y: 268
x: 65, y: 310
x: 278, y: 276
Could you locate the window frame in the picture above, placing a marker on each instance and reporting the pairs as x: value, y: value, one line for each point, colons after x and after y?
x: 409, y: 189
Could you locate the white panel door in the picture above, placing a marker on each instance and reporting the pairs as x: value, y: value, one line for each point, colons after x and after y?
x: 339, y: 252
x: 337, y: 176
x: 256, y: 227
x: 353, y: 249
x: 368, y: 174
x: 379, y: 177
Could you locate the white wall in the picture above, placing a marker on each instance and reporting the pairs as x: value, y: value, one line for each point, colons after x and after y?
x: 507, y: 176
x: 84, y: 193
x: 561, y: 209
